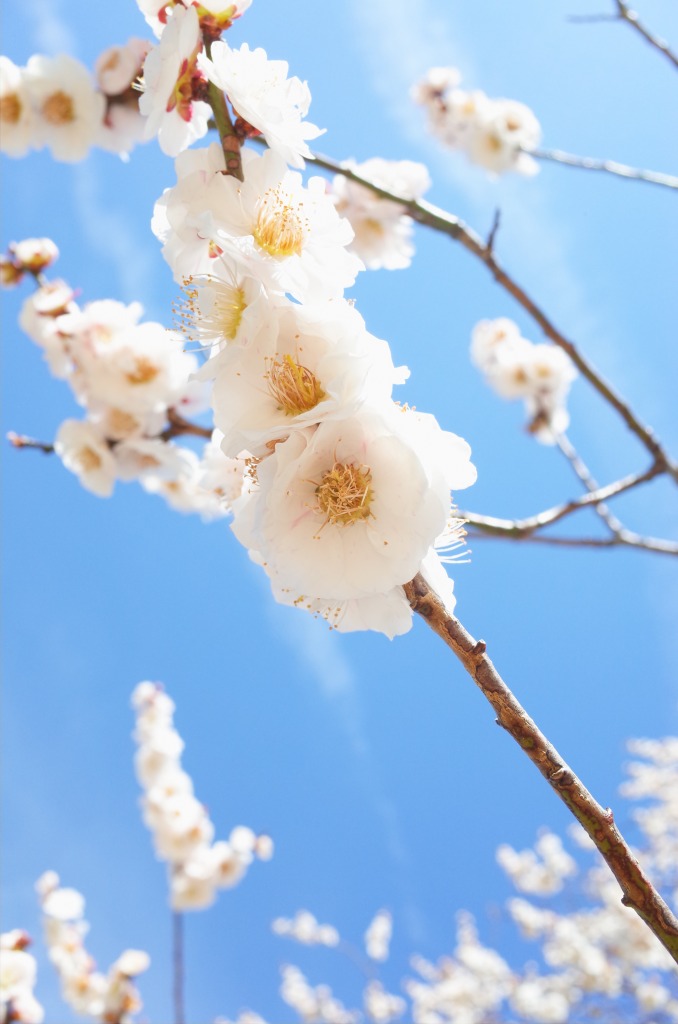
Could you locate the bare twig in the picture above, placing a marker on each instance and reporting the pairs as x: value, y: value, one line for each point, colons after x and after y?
x: 22, y: 441
x: 624, y: 539
x: 625, y: 13
x: 588, y: 163
x: 433, y: 217
x: 598, y: 822
x: 178, y: 968
x: 231, y: 142
x: 582, y: 473
x: 178, y: 426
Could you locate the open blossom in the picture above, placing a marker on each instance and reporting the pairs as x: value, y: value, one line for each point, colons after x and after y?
x: 216, y: 15
x: 16, y: 110
x: 350, y: 510
x: 262, y: 95
x: 542, y: 870
x: 320, y: 364
x: 17, y: 980
x: 497, y: 134
x: 85, y: 452
x: 170, y: 73
x: 378, y: 936
x: 68, y: 110
x: 516, y: 368
x: 182, y: 830
x: 118, y: 67
x: 383, y: 231
x: 283, y: 230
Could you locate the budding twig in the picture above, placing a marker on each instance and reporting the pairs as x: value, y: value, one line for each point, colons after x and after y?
x: 588, y: 163
x: 598, y: 822
x: 433, y: 217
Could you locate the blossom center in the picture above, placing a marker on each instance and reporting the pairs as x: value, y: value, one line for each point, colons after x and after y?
x: 279, y: 229
x: 344, y: 493
x: 181, y: 96
x: 143, y: 373
x: 10, y: 108
x: 295, y: 388
x: 88, y: 460
x: 58, y: 108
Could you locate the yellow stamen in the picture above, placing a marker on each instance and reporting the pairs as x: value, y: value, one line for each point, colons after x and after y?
x: 294, y: 387
x: 10, y: 108
x: 279, y: 229
x: 144, y: 371
x: 88, y: 460
x: 58, y: 108
x: 344, y: 493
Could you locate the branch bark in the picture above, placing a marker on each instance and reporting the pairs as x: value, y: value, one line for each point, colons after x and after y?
x: 598, y: 822
x: 446, y: 223
x: 231, y: 142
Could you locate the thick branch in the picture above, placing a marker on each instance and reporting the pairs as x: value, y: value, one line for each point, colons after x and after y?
x: 231, y: 142
x: 588, y: 163
x: 433, y: 217
x: 638, y: 892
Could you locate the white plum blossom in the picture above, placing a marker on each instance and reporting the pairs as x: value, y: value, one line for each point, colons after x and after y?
x: 118, y: 67
x: 497, y: 134
x: 320, y: 364
x: 84, y: 451
x: 304, y: 928
x: 170, y: 74
x: 17, y: 980
x: 383, y: 231
x: 100, y: 997
x: 263, y: 96
x: 215, y: 15
x: 516, y: 368
x: 542, y: 870
x: 182, y: 830
x: 16, y: 110
x: 381, y: 1006
x: 68, y: 109
x: 378, y: 936
x: 313, y: 1004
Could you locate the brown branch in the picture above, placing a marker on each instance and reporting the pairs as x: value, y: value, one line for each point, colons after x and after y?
x: 598, y: 822
x: 433, y: 217
x: 231, y: 142
x: 178, y: 426
x: 178, y: 968
x: 625, y: 13
x: 626, y: 538
x: 588, y: 163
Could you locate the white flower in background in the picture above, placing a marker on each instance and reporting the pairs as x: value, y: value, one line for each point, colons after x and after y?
x: 498, y: 134
x: 313, y: 1004
x: 17, y: 980
x: 262, y: 95
x: 68, y: 109
x: 117, y: 68
x: 38, y: 319
x: 34, y: 254
x: 85, y: 452
x: 304, y: 928
x: 320, y: 364
x: 378, y: 936
x: 351, y: 509
x: 170, y: 74
x: 383, y: 231
x: 289, y: 231
x: 122, y: 129
x: 542, y: 870
x: 17, y: 131
x: 182, y: 831
x: 89, y: 992
x: 516, y: 368
x: 223, y: 476
x: 381, y: 1006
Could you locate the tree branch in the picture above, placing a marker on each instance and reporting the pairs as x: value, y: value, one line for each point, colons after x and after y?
x: 626, y: 538
x: 433, y: 217
x: 638, y: 892
x: 231, y: 142
x: 588, y: 163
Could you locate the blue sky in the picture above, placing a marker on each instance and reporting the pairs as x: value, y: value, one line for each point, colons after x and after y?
x: 375, y: 766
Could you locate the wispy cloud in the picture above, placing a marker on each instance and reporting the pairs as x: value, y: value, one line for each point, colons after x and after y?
x: 109, y: 230
x: 51, y: 34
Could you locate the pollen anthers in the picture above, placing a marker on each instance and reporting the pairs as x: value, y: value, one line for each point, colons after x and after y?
x: 58, y: 108
x: 279, y: 229
x: 218, y: 323
x: 295, y: 388
x: 144, y: 371
x: 344, y: 494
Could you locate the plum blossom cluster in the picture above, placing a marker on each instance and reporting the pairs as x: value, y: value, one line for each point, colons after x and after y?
x: 304, y: 928
x: 351, y: 490
x: 190, y: 57
x: 132, y: 378
x: 17, y: 980
x: 109, y: 998
x: 54, y: 102
x: 382, y: 230
x: 182, y: 830
x: 540, y: 374
x: 497, y: 134
x: 596, y: 959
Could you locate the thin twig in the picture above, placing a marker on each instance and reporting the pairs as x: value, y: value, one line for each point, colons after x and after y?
x: 178, y: 968
x: 178, y: 426
x: 582, y: 473
x: 433, y: 217
x: 22, y: 441
x: 598, y: 822
x: 231, y: 142
x: 624, y: 539
x: 588, y: 163
x: 631, y: 18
